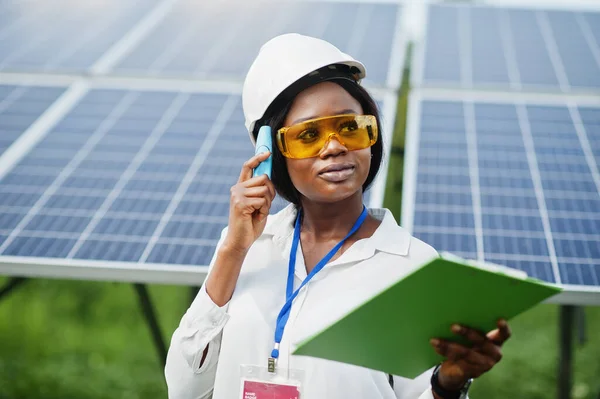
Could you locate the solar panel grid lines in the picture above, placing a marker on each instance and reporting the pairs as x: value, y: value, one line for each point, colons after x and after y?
x: 517, y: 168
x: 551, y: 46
x: 515, y: 49
x: 471, y: 140
x: 225, y: 60
x: 220, y: 120
x: 79, y: 156
x: 132, y: 38
x: 537, y: 183
x: 65, y: 173
x: 585, y: 144
x: 153, y: 138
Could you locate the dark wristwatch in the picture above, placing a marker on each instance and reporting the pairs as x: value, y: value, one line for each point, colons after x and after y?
x: 445, y: 394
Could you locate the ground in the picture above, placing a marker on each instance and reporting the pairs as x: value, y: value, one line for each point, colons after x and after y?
x: 76, y: 339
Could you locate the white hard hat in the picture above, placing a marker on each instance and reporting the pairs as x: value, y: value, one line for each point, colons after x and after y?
x: 282, y: 61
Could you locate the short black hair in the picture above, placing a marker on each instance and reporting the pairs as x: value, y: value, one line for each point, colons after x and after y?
x: 275, y: 117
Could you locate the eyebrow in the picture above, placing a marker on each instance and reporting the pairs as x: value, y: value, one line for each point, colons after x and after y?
x: 345, y: 111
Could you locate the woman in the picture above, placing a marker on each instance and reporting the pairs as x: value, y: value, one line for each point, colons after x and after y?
x: 337, y: 252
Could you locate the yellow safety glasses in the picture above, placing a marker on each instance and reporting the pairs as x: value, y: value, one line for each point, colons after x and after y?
x: 307, y: 139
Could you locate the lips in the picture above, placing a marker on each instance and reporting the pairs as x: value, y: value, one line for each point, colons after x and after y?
x: 337, y: 172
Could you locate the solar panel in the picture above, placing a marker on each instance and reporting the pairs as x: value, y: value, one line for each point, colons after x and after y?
x: 212, y: 41
x: 510, y: 49
x: 20, y: 106
x: 63, y: 35
x: 514, y: 183
x: 134, y: 178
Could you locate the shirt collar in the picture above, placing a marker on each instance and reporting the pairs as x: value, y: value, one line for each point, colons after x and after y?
x: 389, y: 237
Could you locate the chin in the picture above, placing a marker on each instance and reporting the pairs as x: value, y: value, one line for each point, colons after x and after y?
x: 330, y: 193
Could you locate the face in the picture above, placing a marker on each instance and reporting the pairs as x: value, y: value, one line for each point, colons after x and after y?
x: 336, y: 173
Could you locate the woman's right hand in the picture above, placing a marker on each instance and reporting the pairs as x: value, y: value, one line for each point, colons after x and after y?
x: 249, y: 206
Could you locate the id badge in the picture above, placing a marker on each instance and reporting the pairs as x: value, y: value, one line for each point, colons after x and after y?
x: 258, y: 383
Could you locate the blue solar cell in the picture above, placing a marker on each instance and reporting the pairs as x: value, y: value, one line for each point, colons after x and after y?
x: 126, y: 227
x: 561, y: 184
x: 110, y: 250
x: 574, y: 225
x: 28, y: 180
x: 9, y: 220
x: 442, y: 108
x: 514, y: 245
x: 442, y: 63
x: 579, y: 273
x: 443, y: 198
x: 58, y: 223
x: 198, y: 207
x: 103, y: 165
x: 510, y: 48
x: 446, y: 180
x: 533, y: 60
x: 512, y: 222
x: 164, y: 167
x: 71, y: 40
x: 71, y: 201
x: 589, y: 116
x: 576, y: 168
x: 182, y: 254
x: 47, y: 247
x: 193, y: 230
x: 460, y: 244
x: 443, y: 124
x: 576, y: 55
x: 539, y: 269
x: 153, y: 206
x: 95, y: 183
x: 578, y: 248
x: 201, y: 186
x: 444, y: 219
x: 510, y: 215
x: 591, y: 205
x: 20, y: 106
x: 165, y: 51
x: 489, y: 63
x: 153, y: 185
x: 18, y: 199
x: 504, y: 181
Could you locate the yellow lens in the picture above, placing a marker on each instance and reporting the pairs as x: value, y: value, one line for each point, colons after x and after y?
x: 307, y: 139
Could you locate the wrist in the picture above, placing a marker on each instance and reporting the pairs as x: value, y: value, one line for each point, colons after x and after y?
x: 444, y: 388
x: 230, y: 250
x: 449, y: 384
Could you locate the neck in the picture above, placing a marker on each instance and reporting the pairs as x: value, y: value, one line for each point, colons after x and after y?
x: 327, y: 221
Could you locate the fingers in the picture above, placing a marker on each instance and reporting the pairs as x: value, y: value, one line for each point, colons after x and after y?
x: 250, y: 205
x: 469, y: 333
x: 480, y: 341
x: 500, y: 335
x: 250, y: 165
x: 459, y: 353
x: 258, y: 181
x: 260, y: 191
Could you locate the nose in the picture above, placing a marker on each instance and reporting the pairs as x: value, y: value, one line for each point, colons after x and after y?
x: 333, y: 147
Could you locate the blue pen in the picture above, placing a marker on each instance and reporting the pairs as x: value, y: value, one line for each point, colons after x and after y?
x: 264, y: 144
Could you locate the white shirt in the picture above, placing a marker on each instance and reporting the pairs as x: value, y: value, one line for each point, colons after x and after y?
x: 242, y: 331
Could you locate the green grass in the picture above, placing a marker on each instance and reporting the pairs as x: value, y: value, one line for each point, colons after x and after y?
x: 75, y: 339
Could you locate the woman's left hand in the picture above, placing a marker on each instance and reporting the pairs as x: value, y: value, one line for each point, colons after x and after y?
x: 464, y: 362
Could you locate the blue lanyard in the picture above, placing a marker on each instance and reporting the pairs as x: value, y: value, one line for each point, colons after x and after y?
x: 290, y: 294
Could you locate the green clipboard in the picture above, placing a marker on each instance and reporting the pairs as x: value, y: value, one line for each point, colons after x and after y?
x: 391, y: 331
